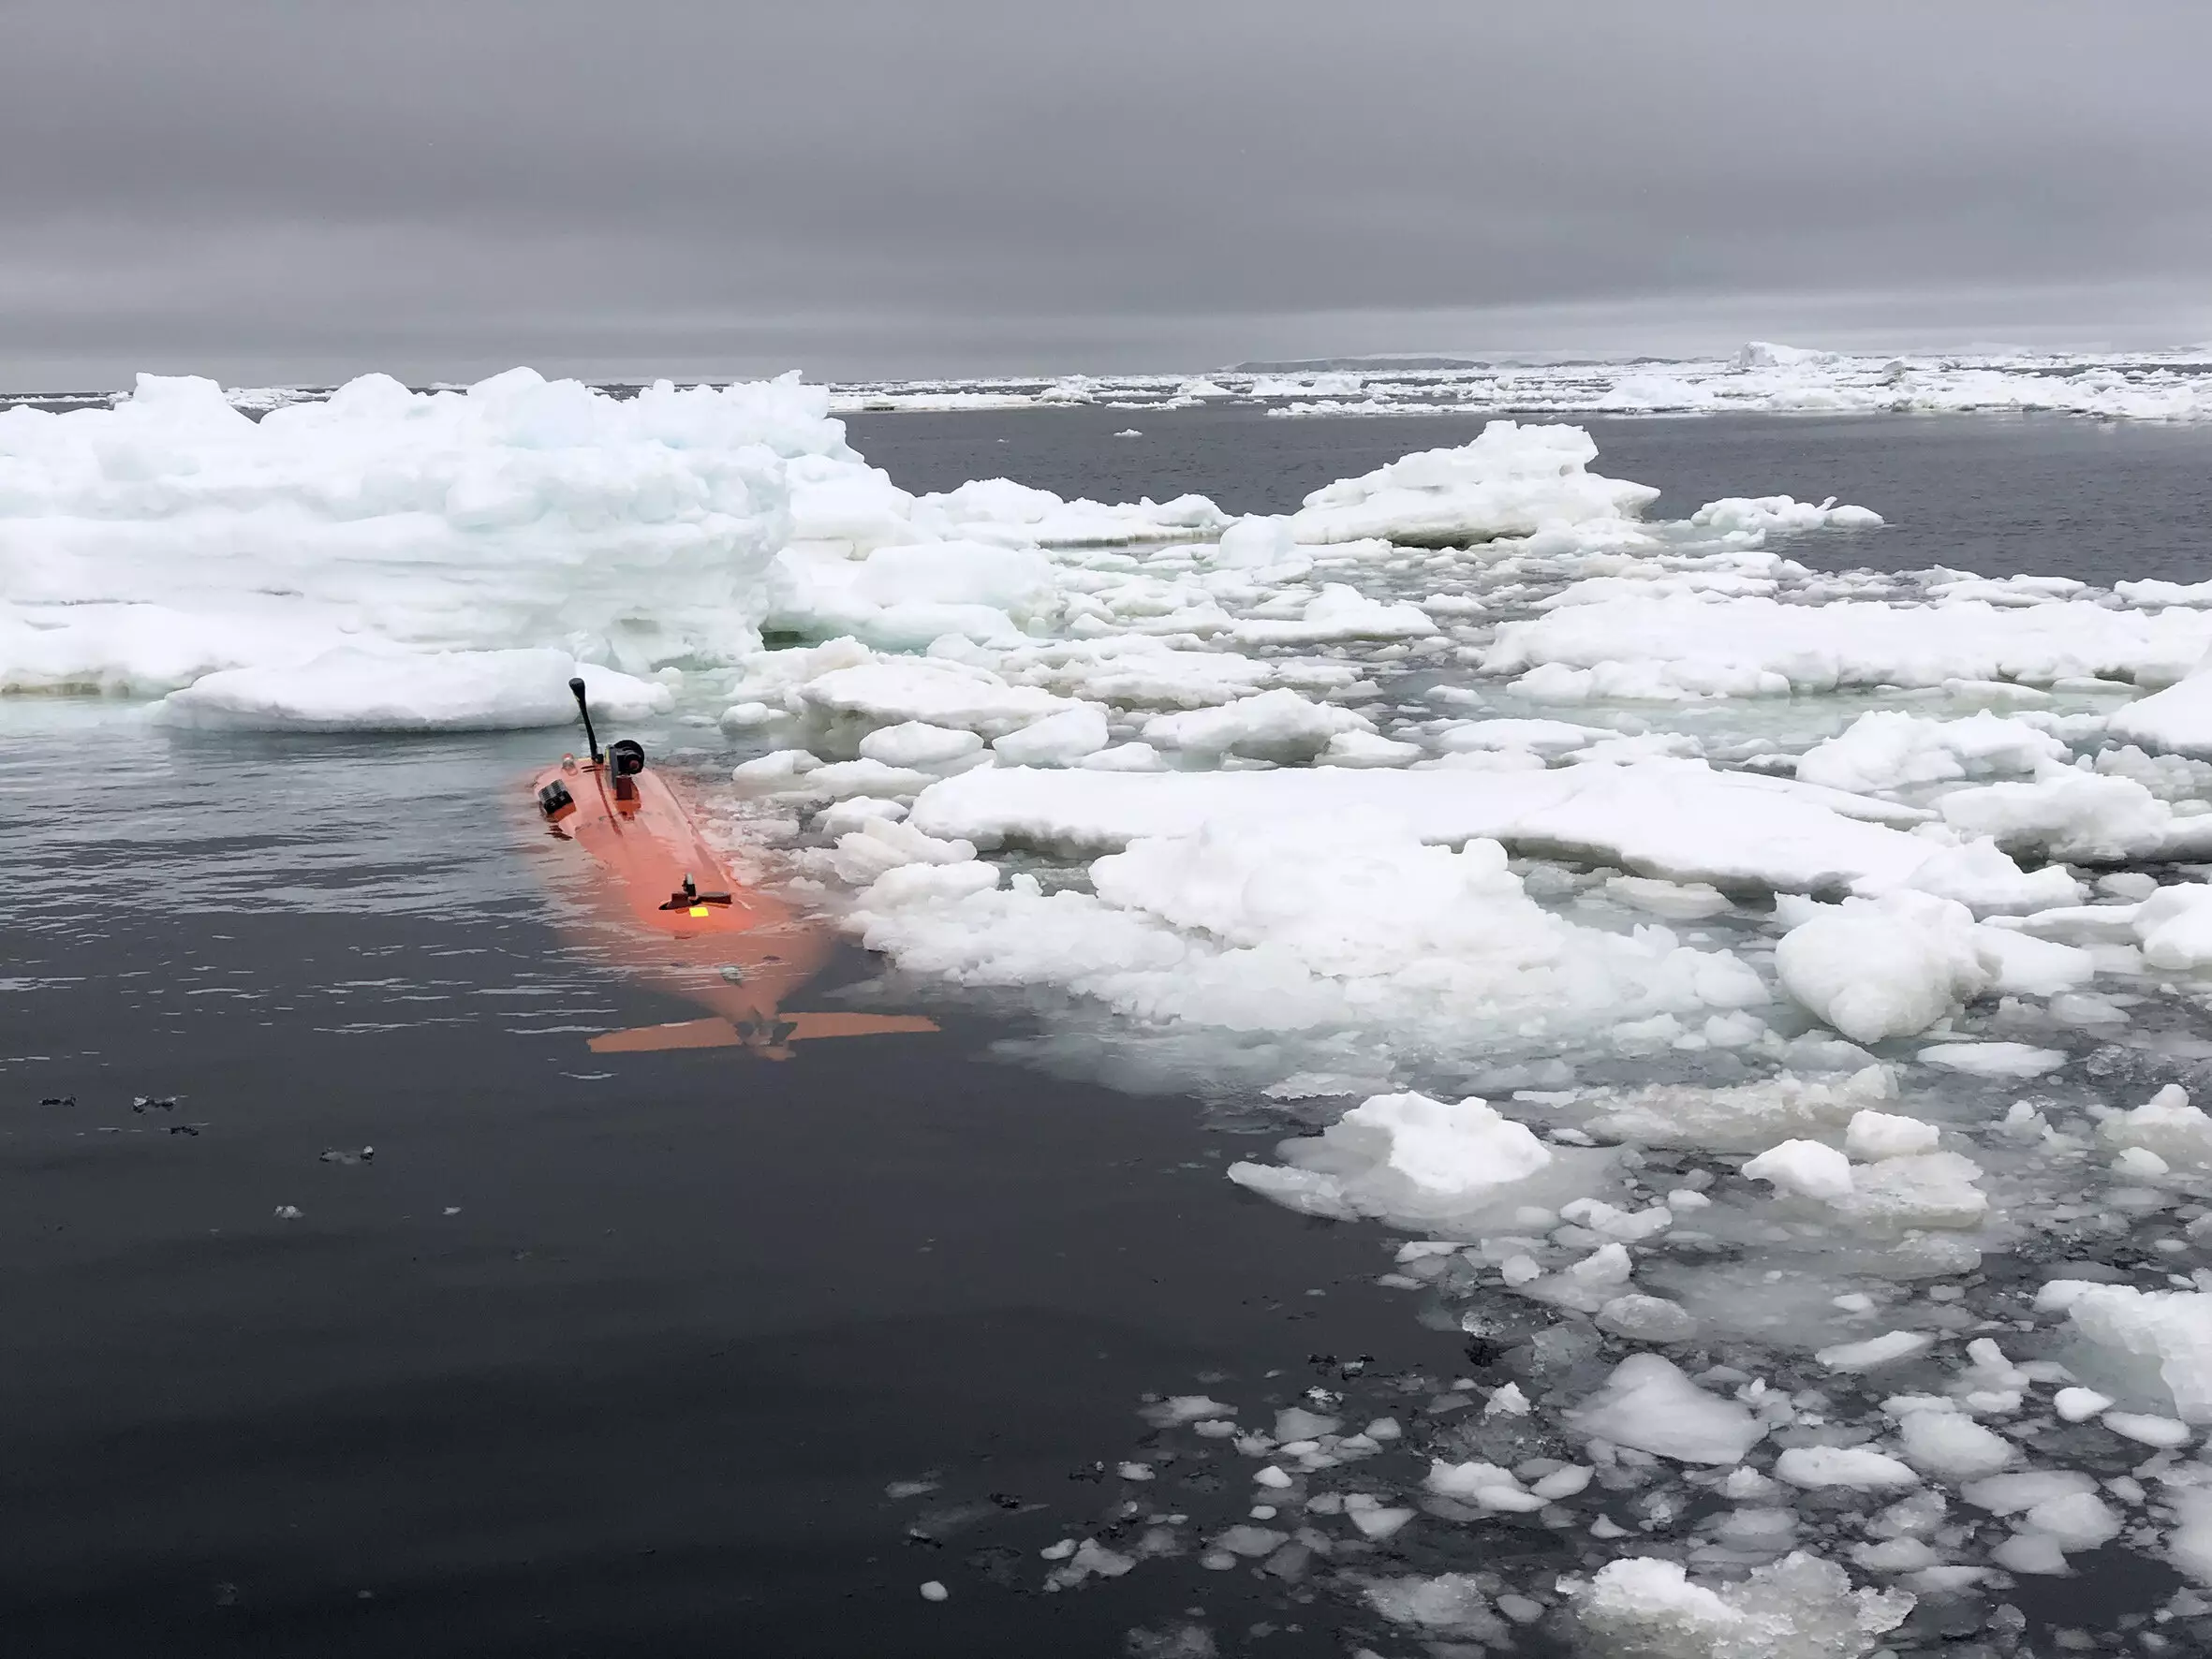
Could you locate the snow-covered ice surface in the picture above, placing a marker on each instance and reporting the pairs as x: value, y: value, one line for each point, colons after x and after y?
x: 1756, y: 1005
x: 1762, y: 377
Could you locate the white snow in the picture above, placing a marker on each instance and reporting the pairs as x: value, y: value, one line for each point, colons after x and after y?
x: 1649, y: 1403
x: 143, y: 545
x: 1512, y: 480
x: 2154, y: 1344
x: 1677, y: 819
x: 353, y: 690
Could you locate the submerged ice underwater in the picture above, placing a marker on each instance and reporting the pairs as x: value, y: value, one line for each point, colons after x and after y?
x: 1757, y: 1004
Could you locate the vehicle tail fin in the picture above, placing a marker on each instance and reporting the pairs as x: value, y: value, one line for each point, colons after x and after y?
x: 806, y: 1027
x: 722, y: 1034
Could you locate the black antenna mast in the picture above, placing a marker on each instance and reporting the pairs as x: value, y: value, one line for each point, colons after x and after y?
x: 583, y: 708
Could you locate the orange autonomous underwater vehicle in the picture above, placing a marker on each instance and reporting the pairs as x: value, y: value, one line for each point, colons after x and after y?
x: 660, y: 902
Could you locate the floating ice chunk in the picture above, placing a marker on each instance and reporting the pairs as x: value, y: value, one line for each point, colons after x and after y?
x: 1185, y: 1408
x: 1675, y: 901
x: 1484, y: 1485
x: 854, y: 812
x: 2149, y: 1430
x: 1450, y: 1604
x: 884, y: 844
x: 866, y: 777
x: 1338, y: 613
x: 1542, y: 736
x: 775, y: 767
x: 749, y: 716
x: 1950, y: 1445
x: 1512, y: 480
x: 1859, y: 1467
x: 915, y: 743
x: 1648, y: 1319
x: 1378, y: 1523
x: 2174, y: 926
x: 907, y: 596
x: 2011, y: 1494
x: 1406, y: 1155
x: 1361, y: 748
x: 1886, y: 1349
x: 144, y: 546
x: 2178, y: 720
x: 1277, y: 724
x: 1984, y: 877
x: 1884, y: 968
x: 1801, y: 1606
x: 2153, y: 1341
x: 1993, y: 1060
x: 933, y: 690
x: 1805, y: 1168
x: 1917, y: 1191
x: 1782, y: 513
x: 2166, y: 1124
x: 1649, y: 1405
x: 2073, y: 815
x: 1124, y: 757
x: 1675, y: 818
x: 2074, y: 1521
x: 2020, y: 964
x: 1875, y: 1135
x: 2189, y: 1546
x: 1057, y: 739
x: 354, y: 690
x: 1884, y: 750
x: 1740, y: 1117
x: 1309, y: 923
x: 2078, y: 1405
x: 1822, y: 648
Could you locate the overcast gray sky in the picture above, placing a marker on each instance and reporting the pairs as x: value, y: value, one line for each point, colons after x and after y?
x: 305, y: 189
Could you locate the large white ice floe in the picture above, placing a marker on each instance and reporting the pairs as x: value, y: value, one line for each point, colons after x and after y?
x: 354, y: 690
x: 1678, y: 819
x: 1689, y: 646
x: 1312, y: 922
x: 170, y: 537
x: 1512, y: 480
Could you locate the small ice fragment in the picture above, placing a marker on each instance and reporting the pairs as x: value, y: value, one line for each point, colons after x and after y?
x: 1885, y: 1349
x: 288, y: 1213
x: 1855, y: 1466
x: 1993, y: 1060
x: 933, y: 1591
x: 1853, y: 1301
x: 1648, y: 1404
x: 1518, y: 1271
x: 1184, y: 1408
x: 1562, y: 1483
x: 1875, y: 1135
x: 1271, y: 1477
x: 1804, y: 1166
x: 1951, y: 1446
x: 1379, y: 1524
x: 2077, y: 1405
x: 2164, y: 1432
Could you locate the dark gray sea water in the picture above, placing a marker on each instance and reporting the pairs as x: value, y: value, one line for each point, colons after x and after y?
x: 619, y: 1356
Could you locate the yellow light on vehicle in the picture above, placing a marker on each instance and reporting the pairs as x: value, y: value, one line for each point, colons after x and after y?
x: 699, y: 910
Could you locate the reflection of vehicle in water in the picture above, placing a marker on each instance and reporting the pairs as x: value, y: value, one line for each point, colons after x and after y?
x: 661, y: 903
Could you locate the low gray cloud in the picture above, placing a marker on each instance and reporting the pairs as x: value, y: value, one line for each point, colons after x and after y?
x: 964, y: 186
